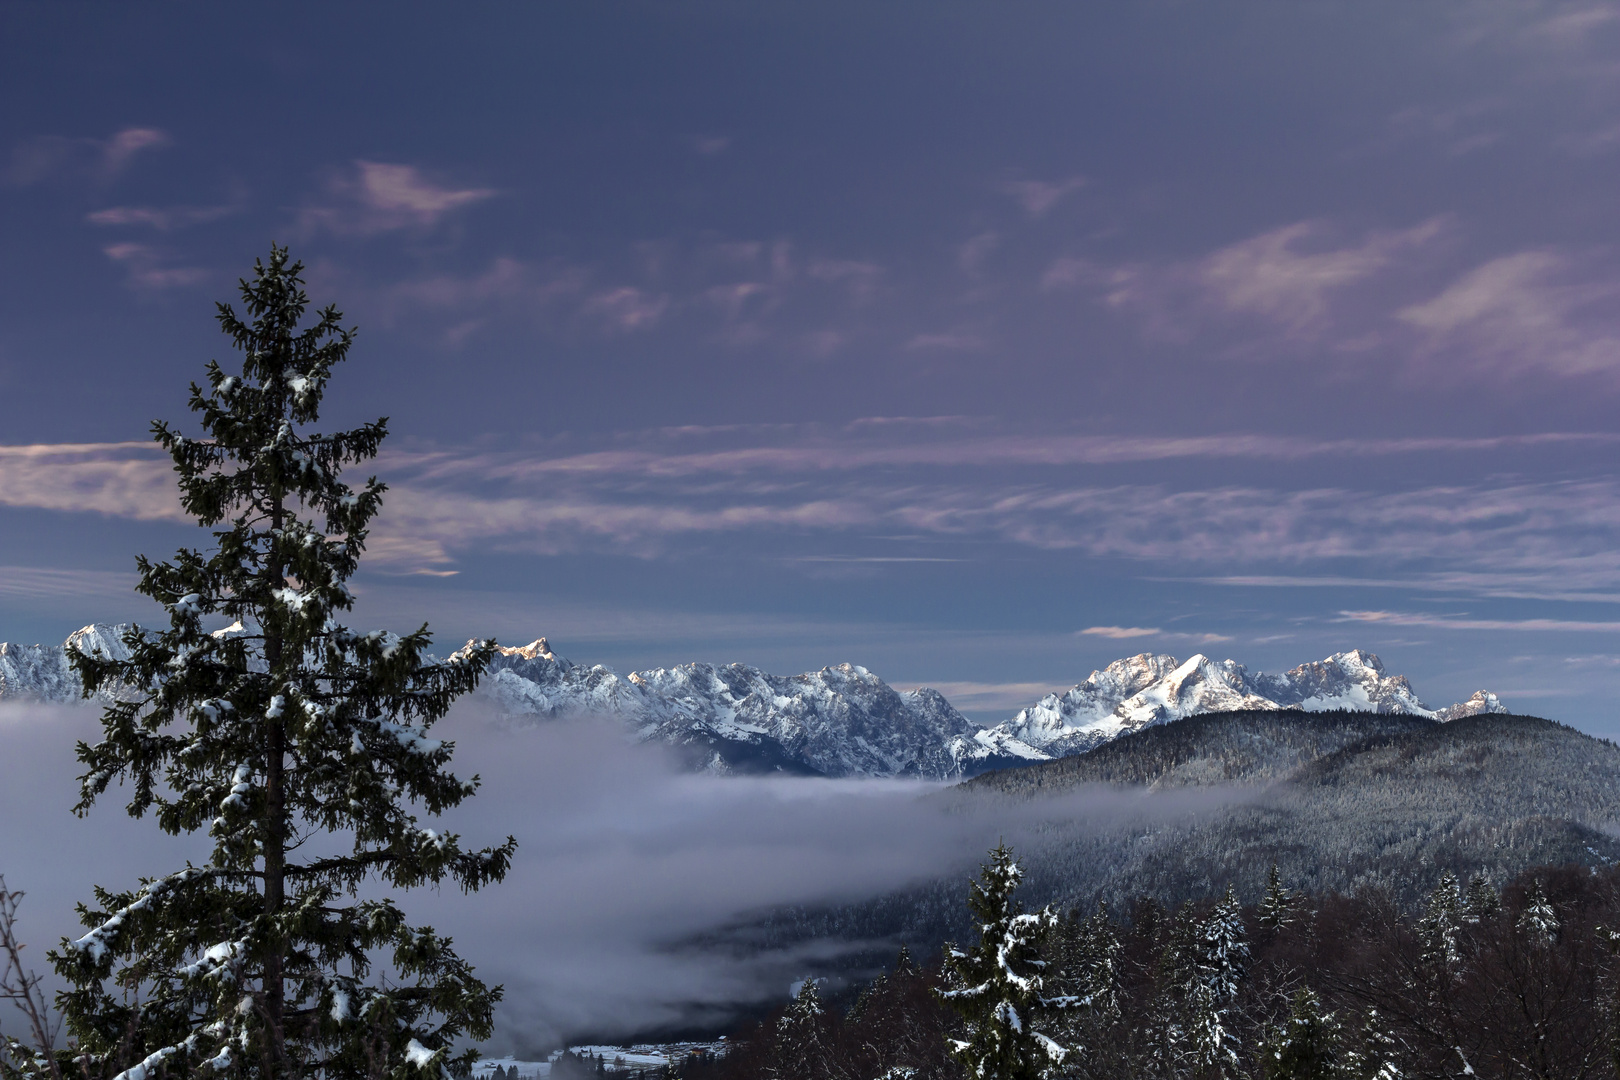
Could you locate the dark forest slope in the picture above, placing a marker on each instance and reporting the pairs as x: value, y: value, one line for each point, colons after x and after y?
x: 1216, y: 748
x: 1340, y: 801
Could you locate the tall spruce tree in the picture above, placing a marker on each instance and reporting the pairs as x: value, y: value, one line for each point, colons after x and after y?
x: 298, y: 745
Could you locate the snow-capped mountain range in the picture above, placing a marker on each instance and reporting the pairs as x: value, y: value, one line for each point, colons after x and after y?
x: 844, y: 720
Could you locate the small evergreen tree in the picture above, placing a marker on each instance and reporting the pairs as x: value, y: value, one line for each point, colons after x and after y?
x: 1538, y: 921
x: 1441, y: 924
x: 1374, y: 1055
x: 282, y: 728
x: 1305, y: 1046
x: 998, y: 986
x: 1222, y: 963
x: 804, y: 1049
x: 1482, y: 901
x: 1276, y: 907
x: 1197, y: 976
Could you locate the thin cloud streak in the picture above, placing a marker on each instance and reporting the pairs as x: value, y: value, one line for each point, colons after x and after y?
x: 1448, y: 622
x: 828, y: 452
x: 1561, y: 536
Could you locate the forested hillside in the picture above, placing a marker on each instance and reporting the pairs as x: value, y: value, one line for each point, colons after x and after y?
x: 1338, y: 801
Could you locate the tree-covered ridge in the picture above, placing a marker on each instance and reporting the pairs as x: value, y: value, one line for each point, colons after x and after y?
x: 1339, y: 801
x: 299, y: 746
x: 1248, y: 746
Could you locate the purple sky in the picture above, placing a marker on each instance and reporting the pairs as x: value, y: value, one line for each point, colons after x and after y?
x: 978, y: 345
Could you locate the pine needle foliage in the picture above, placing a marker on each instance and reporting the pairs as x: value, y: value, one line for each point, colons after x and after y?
x: 297, y: 745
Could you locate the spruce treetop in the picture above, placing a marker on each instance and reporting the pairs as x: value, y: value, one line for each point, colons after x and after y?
x: 299, y: 746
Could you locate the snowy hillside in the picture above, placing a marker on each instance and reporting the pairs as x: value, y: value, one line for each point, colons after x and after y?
x: 844, y: 720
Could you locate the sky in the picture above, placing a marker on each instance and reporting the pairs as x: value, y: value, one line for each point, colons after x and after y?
x: 978, y: 345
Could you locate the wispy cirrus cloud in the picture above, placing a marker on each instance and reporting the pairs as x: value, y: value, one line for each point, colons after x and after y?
x: 52, y: 156
x: 1289, y: 278
x: 1463, y: 622
x: 163, y: 219
x: 956, y: 442
x: 627, y: 308
x: 1481, y: 538
x: 1530, y: 311
x: 735, y: 292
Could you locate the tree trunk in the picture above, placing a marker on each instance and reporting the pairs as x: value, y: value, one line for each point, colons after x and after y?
x: 275, y: 855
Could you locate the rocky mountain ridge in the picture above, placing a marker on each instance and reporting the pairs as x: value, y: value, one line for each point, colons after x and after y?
x: 845, y: 721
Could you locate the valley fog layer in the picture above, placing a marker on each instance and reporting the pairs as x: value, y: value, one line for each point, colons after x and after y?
x: 624, y: 854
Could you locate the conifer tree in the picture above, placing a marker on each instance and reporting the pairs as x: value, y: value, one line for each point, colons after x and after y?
x: 1222, y: 963
x: 1276, y: 907
x: 1198, y: 976
x: 1441, y: 924
x: 803, y: 1049
x: 1538, y: 921
x: 1305, y: 1046
x: 283, y: 728
x: 1482, y: 901
x: 998, y: 986
x: 1085, y: 965
x: 1374, y: 1055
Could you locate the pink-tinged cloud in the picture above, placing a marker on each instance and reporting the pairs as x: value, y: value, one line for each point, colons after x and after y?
x: 1502, y: 539
x: 131, y: 480
x: 381, y: 197
x: 506, y: 280
x: 1039, y: 196
x: 1122, y: 633
x: 1289, y: 279
x: 122, y: 147
x: 873, y: 443
x: 736, y: 299
x: 400, y: 189
x: 1531, y: 311
x: 860, y: 278
x: 1284, y: 277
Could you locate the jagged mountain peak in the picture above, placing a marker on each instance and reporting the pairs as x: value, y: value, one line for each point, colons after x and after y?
x: 1482, y: 701
x: 844, y: 720
x: 538, y: 649
x: 1354, y: 658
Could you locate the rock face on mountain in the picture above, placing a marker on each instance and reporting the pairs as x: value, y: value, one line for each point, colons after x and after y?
x: 844, y: 720
x: 1136, y: 692
x: 42, y: 672
x: 839, y: 721
x: 1482, y: 702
